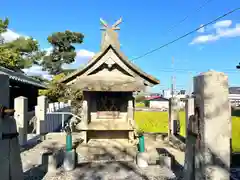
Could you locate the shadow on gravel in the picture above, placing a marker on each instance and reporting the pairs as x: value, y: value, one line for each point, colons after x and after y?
x: 36, y: 173
x: 107, y: 167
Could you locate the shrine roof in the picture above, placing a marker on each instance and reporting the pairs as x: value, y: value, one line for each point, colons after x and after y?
x: 124, y: 59
x: 109, y: 42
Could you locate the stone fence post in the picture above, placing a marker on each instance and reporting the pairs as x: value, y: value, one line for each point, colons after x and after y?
x: 130, y: 113
x: 41, y: 115
x: 189, y: 110
x: 130, y: 119
x: 69, y: 102
x: 20, y: 115
x: 173, y: 115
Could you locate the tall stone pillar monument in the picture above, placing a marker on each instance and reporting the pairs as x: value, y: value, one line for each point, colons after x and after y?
x: 213, y: 126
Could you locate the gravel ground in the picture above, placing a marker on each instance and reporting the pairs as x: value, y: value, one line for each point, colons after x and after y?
x: 115, y: 170
x: 112, y: 171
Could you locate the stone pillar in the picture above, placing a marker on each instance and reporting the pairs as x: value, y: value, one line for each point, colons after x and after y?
x: 173, y: 115
x: 41, y: 115
x: 20, y: 115
x: 189, y: 111
x: 214, y: 126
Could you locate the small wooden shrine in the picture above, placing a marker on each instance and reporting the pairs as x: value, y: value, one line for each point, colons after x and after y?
x: 108, y: 82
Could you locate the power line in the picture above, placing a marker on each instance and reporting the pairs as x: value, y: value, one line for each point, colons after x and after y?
x: 194, y: 70
x: 185, y: 35
x: 186, y: 17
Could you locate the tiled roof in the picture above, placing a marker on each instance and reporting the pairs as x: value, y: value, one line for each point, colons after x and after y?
x: 21, y: 77
x: 157, y: 98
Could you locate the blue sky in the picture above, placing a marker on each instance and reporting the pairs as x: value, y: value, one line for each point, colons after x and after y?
x: 145, y: 26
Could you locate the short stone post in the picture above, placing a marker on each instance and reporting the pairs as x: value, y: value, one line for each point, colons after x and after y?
x: 20, y: 115
x: 41, y: 115
x: 85, y: 111
x: 69, y: 102
x: 189, y: 111
x: 130, y: 114
x: 61, y: 104
x: 51, y: 107
x: 214, y: 126
x: 130, y: 119
x: 173, y: 115
x: 84, y: 123
x: 69, y: 162
x: 49, y: 161
x: 57, y: 105
x: 142, y: 159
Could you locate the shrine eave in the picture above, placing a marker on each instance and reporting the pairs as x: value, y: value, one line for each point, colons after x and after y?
x: 124, y: 59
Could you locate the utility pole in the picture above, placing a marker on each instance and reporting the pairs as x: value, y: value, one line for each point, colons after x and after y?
x: 173, y: 85
x: 190, y: 84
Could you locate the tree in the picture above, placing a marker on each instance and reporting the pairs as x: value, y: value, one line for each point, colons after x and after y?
x: 27, y: 51
x: 140, y: 98
x: 4, y: 25
x: 63, y: 51
x: 20, y: 53
x: 62, y: 93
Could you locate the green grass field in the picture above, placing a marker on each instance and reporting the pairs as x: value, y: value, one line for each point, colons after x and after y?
x: 158, y: 122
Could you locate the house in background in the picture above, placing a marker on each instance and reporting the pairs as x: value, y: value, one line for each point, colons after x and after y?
x: 234, y: 96
x: 159, y: 102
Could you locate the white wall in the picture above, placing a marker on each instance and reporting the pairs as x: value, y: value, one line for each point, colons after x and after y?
x: 159, y: 104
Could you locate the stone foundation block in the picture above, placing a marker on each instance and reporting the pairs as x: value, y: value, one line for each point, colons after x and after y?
x: 69, y: 160
x: 142, y: 160
x: 166, y: 161
x: 49, y: 162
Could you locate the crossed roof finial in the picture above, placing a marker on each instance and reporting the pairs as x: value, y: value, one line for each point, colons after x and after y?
x: 114, y: 26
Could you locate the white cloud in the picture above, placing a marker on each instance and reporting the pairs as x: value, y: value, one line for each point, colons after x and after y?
x: 10, y: 35
x: 222, y: 29
x: 37, y: 71
x: 85, y: 53
x: 83, y: 56
x: 223, y: 24
x: 202, y: 29
x: 204, y: 39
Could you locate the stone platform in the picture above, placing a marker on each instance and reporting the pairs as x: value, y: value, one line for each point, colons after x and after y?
x: 101, y: 158
x: 106, y: 150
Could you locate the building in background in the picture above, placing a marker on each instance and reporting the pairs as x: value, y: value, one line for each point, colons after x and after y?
x: 22, y: 85
x: 167, y: 93
x: 234, y: 96
x: 159, y: 103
